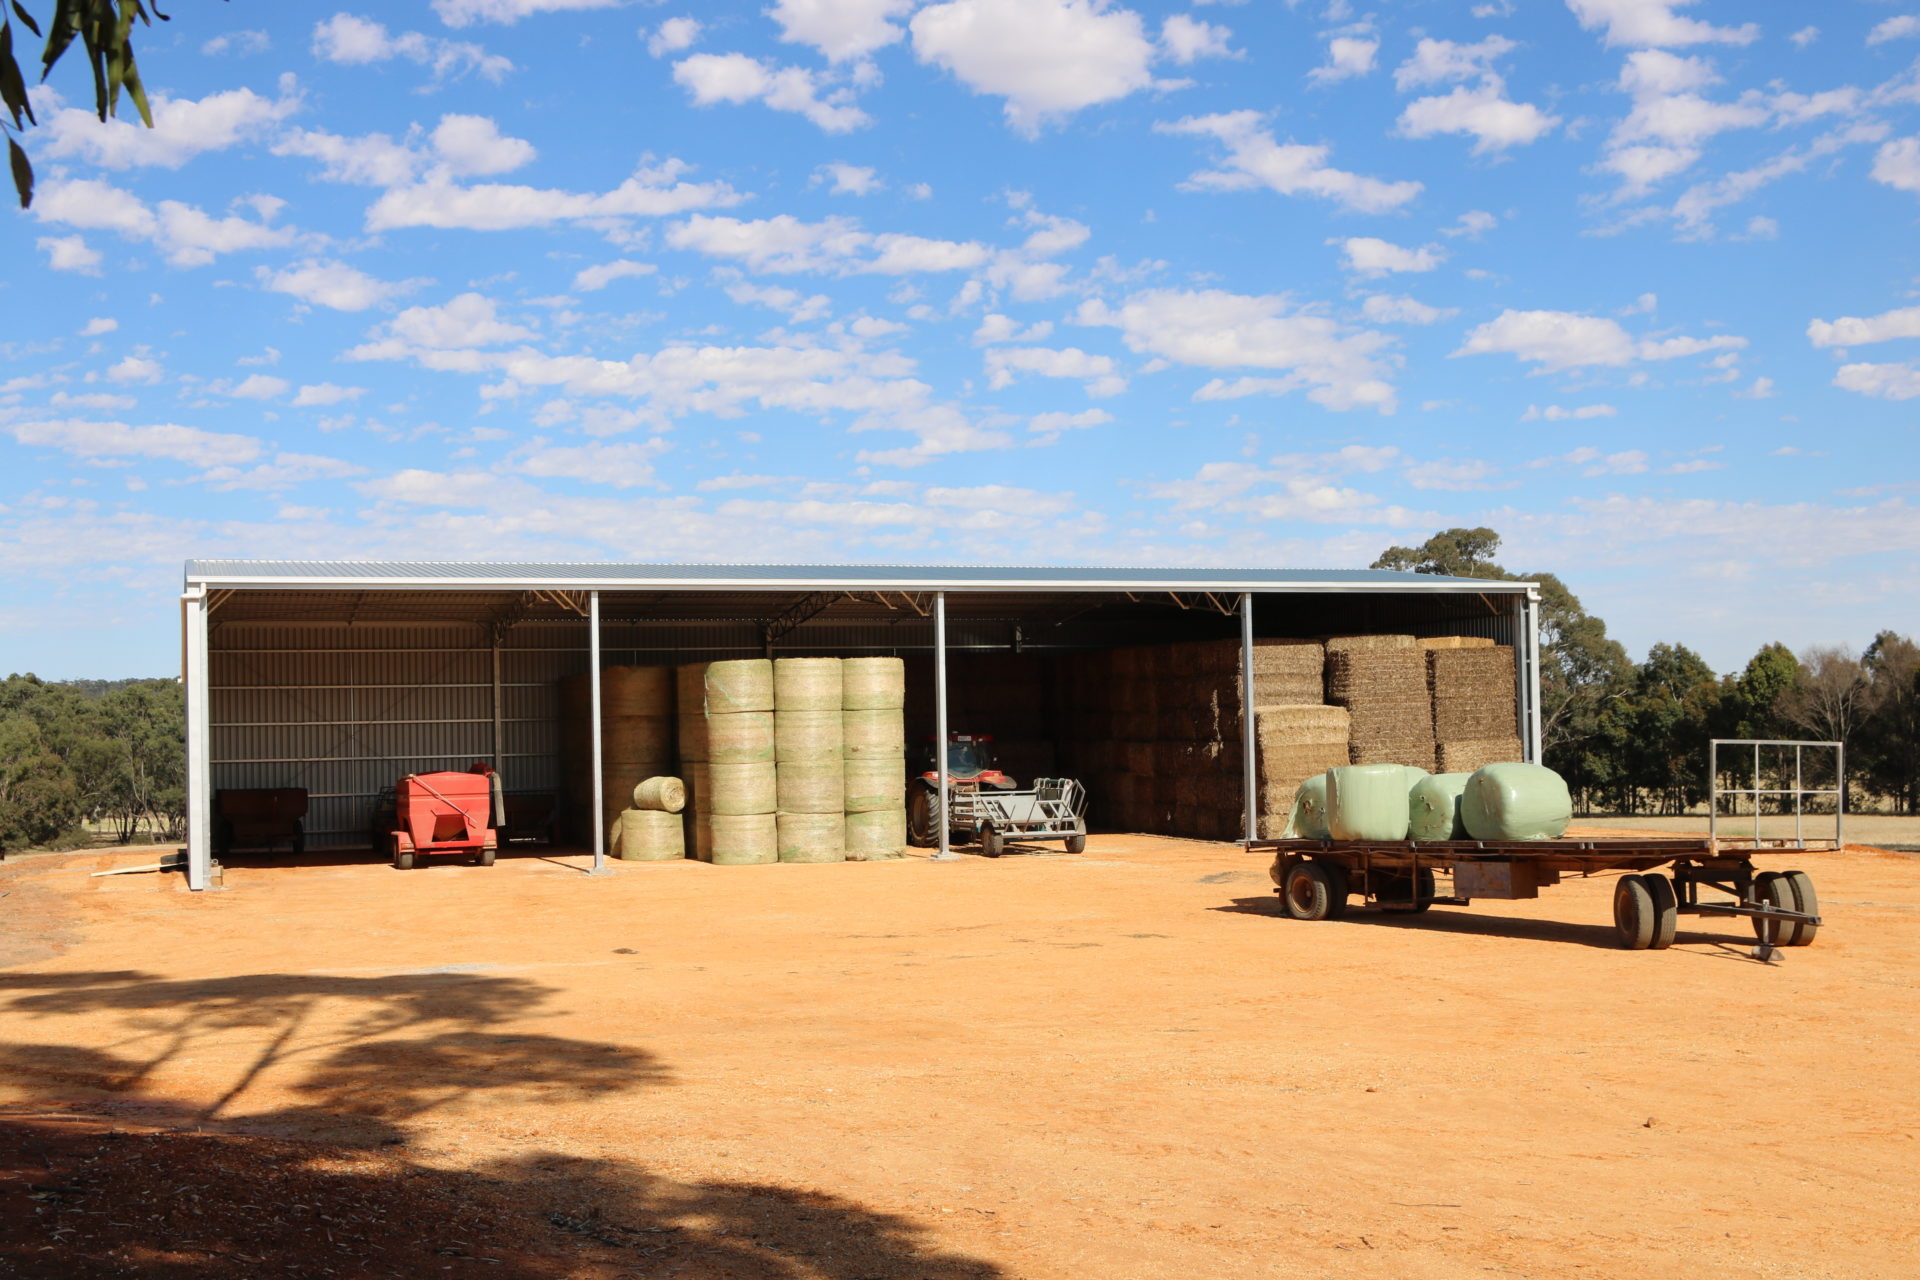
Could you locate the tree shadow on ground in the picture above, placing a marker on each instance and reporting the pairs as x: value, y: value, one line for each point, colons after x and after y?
x: 103, y: 1175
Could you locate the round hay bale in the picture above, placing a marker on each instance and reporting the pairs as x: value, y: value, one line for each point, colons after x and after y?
x: 690, y: 688
x: 812, y: 837
x: 740, y: 737
x: 806, y: 684
x: 741, y: 788
x: 876, y: 835
x: 628, y: 737
x: 651, y: 835
x: 636, y: 691
x: 668, y: 795
x: 740, y: 684
x: 873, y: 684
x: 874, y: 783
x: 748, y: 839
x: 811, y: 786
x: 801, y: 736
x: 878, y: 732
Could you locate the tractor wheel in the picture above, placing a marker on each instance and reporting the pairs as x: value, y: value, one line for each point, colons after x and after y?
x: 920, y: 832
x: 1633, y: 912
x: 1666, y: 911
x: 1308, y: 892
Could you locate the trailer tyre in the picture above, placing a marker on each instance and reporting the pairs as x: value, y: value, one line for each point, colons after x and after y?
x: 1077, y: 842
x: 1776, y: 889
x: 992, y: 843
x: 1633, y: 912
x: 1337, y: 889
x: 1666, y: 911
x: 1809, y: 903
x: 1308, y: 892
x: 487, y: 856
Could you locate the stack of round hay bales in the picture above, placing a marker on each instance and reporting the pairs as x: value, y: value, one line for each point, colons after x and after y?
x: 739, y: 782
x: 873, y: 716
x: 810, y: 771
x: 690, y: 704
x: 636, y: 738
x: 653, y: 831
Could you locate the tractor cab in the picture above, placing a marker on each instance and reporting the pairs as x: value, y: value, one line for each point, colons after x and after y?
x: 969, y: 763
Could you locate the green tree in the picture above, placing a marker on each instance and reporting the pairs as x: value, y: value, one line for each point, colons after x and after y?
x: 1889, y: 736
x: 104, y: 29
x: 1751, y: 701
x: 1668, y: 715
x: 39, y: 800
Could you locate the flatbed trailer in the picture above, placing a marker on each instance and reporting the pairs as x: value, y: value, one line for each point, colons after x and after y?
x: 1316, y: 878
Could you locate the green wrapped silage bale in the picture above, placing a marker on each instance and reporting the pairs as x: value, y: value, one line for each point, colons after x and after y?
x: 1433, y: 807
x: 1367, y: 802
x: 1309, y: 821
x: 1516, y: 802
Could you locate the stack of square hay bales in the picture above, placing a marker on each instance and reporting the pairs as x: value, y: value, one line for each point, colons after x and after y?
x: 1297, y: 741
x: 1475, y: 715
x: 1382, y: 682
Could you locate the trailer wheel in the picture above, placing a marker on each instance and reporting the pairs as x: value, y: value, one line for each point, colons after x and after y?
x: 1308, y: 891
x: 299, y: 841
x: 1338, y: 887
x: 1775, y: 889
x: 1077, y: 842
x: 1633, y: 913
x: 487, y: 855
x: 992, y: 843
x: 1809, y: 903
x: 1666, y: 911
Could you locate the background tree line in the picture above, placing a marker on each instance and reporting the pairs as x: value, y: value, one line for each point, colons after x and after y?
x: 1632, y: 737
x: 106, y: 751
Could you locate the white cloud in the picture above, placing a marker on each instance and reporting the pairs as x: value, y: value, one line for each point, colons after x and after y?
x: 799, y: 308
x: 466, y: 321
x: 354, y: 41
x: 473, y: 146
x: 1002, y: 363
x: 1255, y: 159
x: 1897, y: 164
x: 255, y: 386
x: 99, y: 325
x: 285, y: 471
x: 653, y: 191
x: 1347, y: 56
x: 326, y: 393
x: 372, y: 159
x: 995, y: 327
x: 182, y: 129
x: 187, y: 236
x: 1853, y: 331
x: 1484, y: 113
x: 70, y: 253
x: 1187, y: 39
x: 786, y: 244
x: 239, y: 43
x: 1885, y: 381
x: 460, y: 13
x: 1903, y: 27
x: 1554, y: 413
x: 1762, y: 389
x: 1368, y: 256
x: 1446, y: 61
x: 1653, y: 24
x: 672, y: 36
x: 96, y: 400
x: 136, y: 368
x: 1671, y: 120
x: 1298, y: 491
x: 623, y: 466
x: 1047, y: 58
x: 118, y: 440
x: 736, y: 78
x: 848, y: 179
x: 843, y: 30
x: 1557, y: 340
x: 1050, y: 425
x: 1338, y: 367
x: 1804, y: 37
x: 1695, y: 208
x: 333, y: 284
x: 941, y: 429
x: 1382, y: 308
x: 1474, y: 223
x: 594, y: 278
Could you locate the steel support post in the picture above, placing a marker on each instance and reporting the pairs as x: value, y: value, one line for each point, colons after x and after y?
x: 599, y: 776
x: 1534, y: 712
x: 199, y: 744
x: 946, y: 853
x: 499, y: 731
x: 1249, y: 731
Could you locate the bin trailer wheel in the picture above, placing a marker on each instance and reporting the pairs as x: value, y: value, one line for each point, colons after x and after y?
x: 402, y: 852
x: 1666, y: 911
x: 1633, y: 912
x: 1308, y: 891
x: 487, y: 853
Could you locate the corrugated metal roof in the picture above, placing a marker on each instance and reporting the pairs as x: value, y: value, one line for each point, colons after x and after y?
x: 454, y: 575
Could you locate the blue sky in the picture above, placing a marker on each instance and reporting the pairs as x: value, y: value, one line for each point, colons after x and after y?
x: 1013, y: 281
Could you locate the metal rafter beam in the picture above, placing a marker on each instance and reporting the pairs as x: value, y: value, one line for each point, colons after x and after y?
x: 572, y: 601
x: 806, y: 607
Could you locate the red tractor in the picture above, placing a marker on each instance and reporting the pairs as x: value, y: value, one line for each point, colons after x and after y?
x: 987, y: 806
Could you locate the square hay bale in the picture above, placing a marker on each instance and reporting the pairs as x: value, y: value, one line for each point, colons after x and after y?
x: 1454, y: 642
x: 1467, y: 754
x: 1473, y: 692
x: 1418, y: 752
x: 1359, y: 677
x: 1366, y: 644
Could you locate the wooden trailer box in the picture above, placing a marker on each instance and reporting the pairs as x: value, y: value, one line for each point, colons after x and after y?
x: 1501, y: 879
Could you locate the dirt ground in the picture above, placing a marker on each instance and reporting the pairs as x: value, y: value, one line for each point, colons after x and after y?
x: 1118, y: 1065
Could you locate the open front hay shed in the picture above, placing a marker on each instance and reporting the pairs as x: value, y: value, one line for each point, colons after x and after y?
x: 340, y: 677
